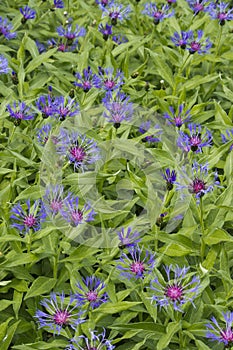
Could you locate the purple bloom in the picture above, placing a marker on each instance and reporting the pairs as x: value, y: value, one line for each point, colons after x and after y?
x: 170, y: 178
x: 109, y: 81
x: 195, y: 140
x: 91, y: 292
x: 45, y: 104
x: 218, y: 10
x: 31, y: 218
x: 58, y: 313
x: 88, y: 80
x: 182, y: 39
x: 137, y: 264
x: 228, y: 138
x: 5, y: 29
x: 62, y: 47
x: 58, y: 4
x: 106, y: 31
x: 222, y: 334
x: 198, y: 5
x: 75, y: 215
x: 27, y: 13
x: 118, y: 107
x: 197, y: 185
x: 119, y: 39
x: 19, y: 111
x: 116, y: 12
x: 65, y: 107
x: 97, y: 342
x: 54, y: 200
x: 70, y: 34
x: 144, y: 128
x: 41, y: 47
x: 43, y: 134
x: 179, y: 289
x: 158, y: 14
x: 102, y: 2
x: 128, y: 238
x: 4, y: 69
x: 178, y: 119
x: 198, y: 44
x: 80, y: 151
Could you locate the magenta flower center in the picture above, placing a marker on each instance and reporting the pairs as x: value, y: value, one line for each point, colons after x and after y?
x: 61, y: 47
x: 61, y: 317
x: 137, y: 267
x: 91, y: 295
x: 29, y: 221
x: 198, y: 7
x: 78, y: 153
x: 198, y: 186
x: 158, y: 15
x: 174, y: 292
x: 86, y: 85
x: 19, y: 115
x: 178, y: 121
x: 109, y: 84
x: 222, y: 16
x: 56, y: 206
x: 77, y: 216
x: 195, y: 46
x: 227, y: 335
x: 195, y: 140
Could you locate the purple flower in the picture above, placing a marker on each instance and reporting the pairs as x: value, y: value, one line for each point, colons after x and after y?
x: 41, y: 47
x: 80, y: 151
x: 43, y: 134
x: 228, y: 138
x: 88, y: 80
x: 102, y: 2
x: 19, y: 111
x: 5, y: 29
x: 71, y: 34
x: 170, y: 178
x: 75, y: 215
x: 65, y: 108
x: 144, y: 128
x: 119, y: 39
x: 179, y: 289
x: 58, y: 4
x: 58, y: 313
x: 198, y: 5
x: 45, y: 104
x: 97, y: 342
x: 218, y: 10
x: 91, y: 292
x: 195, y: 140
x: 197, y: 185
x: 109, y: 81
x: 198, y: 44
x: 54, y: 200
x: 4, y: 69
x: 27, y: 13
x: 118, y: 107
x: 137, y: 264
x: 182, y: 39
x: 178, y: 119
x: 116, y: 12
x: 31, y: 218
x: 128, y: 238
x: 106, y: 31
x: 158, y: 14
x: 222, y: 334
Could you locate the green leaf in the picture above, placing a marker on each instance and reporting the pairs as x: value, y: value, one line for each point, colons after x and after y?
x: 37, y: 61
x: 4, y: 304
x: 217, y: 236
x: 111, y: 308
x: 9, y: 335
x: 24, y: 258
x: 42, y: 285
x: 172, y: 328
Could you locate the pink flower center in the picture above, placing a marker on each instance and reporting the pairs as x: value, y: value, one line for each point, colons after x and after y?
x: 157, y: 15
x: 19, y: 115
x: 29, y: 221
x: 61, y: 317
x: 222, y: 16
x: 174, y: 292
x: 56, y: 206
x: 78, y: 153
x: 77, y: 216
x: 178, y: 121
x: 109, y: 84
x: 227, y: 335
x: 198, y: 7
x: 91, y: 295
x: 86, y: 85
x: 137, y: 267
x: 195, y: 46
x: 198, y: 186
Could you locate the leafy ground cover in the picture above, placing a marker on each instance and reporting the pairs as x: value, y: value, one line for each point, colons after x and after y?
x: 116, y: 175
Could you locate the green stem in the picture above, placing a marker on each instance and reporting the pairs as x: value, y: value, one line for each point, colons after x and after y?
x: 12, y: 135
x: 201, y: 216
x: 180, y: 70
x: 217, y: 48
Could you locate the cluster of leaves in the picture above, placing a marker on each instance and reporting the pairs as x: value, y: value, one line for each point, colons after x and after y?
x: 126, y: 187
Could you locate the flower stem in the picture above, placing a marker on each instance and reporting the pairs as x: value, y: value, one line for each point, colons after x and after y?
x: 218, y: 39
x: 201, y: 216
